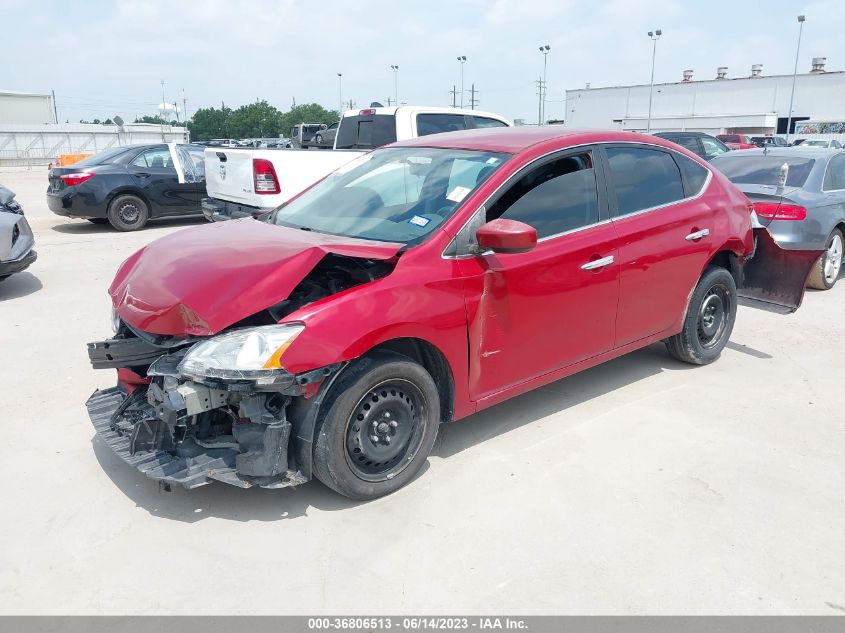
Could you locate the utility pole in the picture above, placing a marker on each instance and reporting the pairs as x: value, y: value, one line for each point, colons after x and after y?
x: 539, y: 83
x: 472, y: 100
x: 388, y: 102
x: 163, y: 106
x: 351, y: 104
x: 395, y: 70
x: 454, y: 93
x: 794, y: 73
x: 55, y: 111
x: 184, y: 106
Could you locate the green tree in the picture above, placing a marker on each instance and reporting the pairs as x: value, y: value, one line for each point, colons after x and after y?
x: 255, y: 120
x: 208, y: 123
x: 306, y: 113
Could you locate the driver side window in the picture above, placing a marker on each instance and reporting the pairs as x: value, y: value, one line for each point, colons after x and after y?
x: 556, y: 197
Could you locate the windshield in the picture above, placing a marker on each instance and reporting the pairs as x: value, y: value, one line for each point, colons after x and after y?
x: 106, y: 156
x: 816, y: 143
x: 399, y: 194
x: 763, y: 170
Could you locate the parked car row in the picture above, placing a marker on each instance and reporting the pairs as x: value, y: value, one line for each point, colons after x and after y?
x: 421, y: 283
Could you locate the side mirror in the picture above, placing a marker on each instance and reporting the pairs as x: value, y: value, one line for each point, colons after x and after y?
x: 506, y: 236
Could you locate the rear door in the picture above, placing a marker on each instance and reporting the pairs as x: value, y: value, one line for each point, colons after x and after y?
x: 664, y: 235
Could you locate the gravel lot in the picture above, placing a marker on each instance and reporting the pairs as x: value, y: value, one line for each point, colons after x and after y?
x: 641, y: 486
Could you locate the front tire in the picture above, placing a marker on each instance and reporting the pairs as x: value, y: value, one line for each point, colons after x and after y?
x: 826, y: 271
x: 709, y: 320
x: 128, y: 213
x: 377, y: 426
x: 318, y: 139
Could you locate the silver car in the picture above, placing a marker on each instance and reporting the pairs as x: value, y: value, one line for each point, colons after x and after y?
x: 16, y: 239
x: 799, y: 194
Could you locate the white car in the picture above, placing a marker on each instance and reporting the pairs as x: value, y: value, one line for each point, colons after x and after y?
x: 826, y: 144
x: 249, y: 182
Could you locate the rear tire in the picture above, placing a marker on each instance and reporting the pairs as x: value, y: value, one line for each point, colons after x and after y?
x: 826, y: 271
x: 128, y: 213
x: 376, y: 427
x: 709, y: 321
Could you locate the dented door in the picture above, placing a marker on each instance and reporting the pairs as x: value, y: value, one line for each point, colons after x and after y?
x: 773, y: 277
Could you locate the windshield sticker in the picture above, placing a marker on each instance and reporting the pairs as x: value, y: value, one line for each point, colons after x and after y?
x: 493, y: 161
x: 418, y: 220
x: 457, y: 194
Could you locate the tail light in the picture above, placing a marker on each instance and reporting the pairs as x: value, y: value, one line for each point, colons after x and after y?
x: 264, y: 176
x: 775, y: 211
x: 76, y: 179
x: 367, y: 112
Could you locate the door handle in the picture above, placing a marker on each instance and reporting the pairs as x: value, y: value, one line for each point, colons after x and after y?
x: 143, y: 175
x: 697, y: 235
x: 598, y: 263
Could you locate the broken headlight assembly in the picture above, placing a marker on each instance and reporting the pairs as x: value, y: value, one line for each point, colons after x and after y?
x: 248, y: 354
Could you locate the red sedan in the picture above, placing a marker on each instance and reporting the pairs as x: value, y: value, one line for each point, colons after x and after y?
x: 737, y: 141
x: 421, y: 283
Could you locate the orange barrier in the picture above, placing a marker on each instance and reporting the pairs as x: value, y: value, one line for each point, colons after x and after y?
x: 69, y: 159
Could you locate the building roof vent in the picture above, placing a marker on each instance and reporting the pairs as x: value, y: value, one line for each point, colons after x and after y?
x: 756, y: 70
x: 818, y: 64
x: 688, y: 75
x: 722, y: 72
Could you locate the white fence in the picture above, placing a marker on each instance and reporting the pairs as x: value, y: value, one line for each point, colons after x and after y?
x: 40, y: 144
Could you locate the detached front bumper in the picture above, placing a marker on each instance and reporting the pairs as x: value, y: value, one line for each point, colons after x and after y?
x: 190, y: 462
x: 17, y: 265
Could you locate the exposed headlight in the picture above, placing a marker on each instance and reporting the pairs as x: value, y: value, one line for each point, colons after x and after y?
x: 248, y: 354
x: 115, y: 320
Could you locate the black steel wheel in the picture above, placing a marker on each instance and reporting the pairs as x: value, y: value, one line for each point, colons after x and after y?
x: 377, y: 426
x: 128, y: 213
x: 709, y: 320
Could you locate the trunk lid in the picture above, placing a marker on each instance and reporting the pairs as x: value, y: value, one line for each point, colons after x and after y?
x: 202, y: 280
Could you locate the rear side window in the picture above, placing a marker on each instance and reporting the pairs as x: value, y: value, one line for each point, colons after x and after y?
x: 366, y: 132
x: 556, y: 197
x: 437, y: 123
x: 483, y: 121
x: 834, y: 177
x: 689, y: 142
x: 107, y: 156
x: 728, y: 138
x: 694, y: 174
x: 643, y: 178
x: 159, y: 157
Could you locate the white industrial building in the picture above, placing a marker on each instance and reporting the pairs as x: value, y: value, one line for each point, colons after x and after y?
x: 31, y: 135
x: 755, y: 104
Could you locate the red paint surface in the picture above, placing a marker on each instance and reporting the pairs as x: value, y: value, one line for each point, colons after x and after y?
x: 505, y: 323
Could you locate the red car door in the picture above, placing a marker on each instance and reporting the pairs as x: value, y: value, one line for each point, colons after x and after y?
x: 664, y: 228
x: 531, y: 313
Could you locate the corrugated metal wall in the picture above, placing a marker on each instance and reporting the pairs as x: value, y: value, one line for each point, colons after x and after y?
x: 41, y: 144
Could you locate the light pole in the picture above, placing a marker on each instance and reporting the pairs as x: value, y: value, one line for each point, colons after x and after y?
x: 395, y: 70
x: 654, y: 35
x: 542, y: 109
x: 340, y: 93
x: 794, y: 73
x: 463, y: 60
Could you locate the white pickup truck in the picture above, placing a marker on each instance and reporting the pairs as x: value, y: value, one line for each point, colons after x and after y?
x: 244, y: 182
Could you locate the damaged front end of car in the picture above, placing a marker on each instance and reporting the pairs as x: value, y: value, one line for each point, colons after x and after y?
x: 181, y: 417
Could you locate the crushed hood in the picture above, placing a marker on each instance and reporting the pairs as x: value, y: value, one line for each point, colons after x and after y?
x: 202, y: 280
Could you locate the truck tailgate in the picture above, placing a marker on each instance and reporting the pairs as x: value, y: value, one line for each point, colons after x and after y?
x: 229, y: 176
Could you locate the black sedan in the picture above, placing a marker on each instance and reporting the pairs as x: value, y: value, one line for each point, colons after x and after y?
x: 127, y: 186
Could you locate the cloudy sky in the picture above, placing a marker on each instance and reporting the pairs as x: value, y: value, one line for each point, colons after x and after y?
x: 105, y: 58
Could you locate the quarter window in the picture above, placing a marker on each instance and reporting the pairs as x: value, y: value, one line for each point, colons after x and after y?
x: 694, y: 174
x: 556, y: 197
x: 834, y: 177
x: 643, y: 178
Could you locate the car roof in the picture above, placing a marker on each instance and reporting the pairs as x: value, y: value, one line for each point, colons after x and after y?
x: 512, y: 140
x: 680, y: 134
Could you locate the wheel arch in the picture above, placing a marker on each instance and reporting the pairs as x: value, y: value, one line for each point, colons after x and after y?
x: 129, y: 190
x: 728, y: 259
